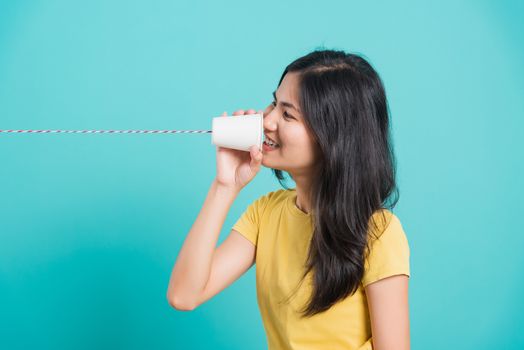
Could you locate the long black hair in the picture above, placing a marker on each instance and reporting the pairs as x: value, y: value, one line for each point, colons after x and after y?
x: 344, y: 107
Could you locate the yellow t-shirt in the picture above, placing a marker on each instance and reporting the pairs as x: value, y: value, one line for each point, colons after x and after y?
x: 281, y: 233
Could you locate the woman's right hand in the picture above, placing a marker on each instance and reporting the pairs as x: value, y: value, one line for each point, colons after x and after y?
x: 235, y: 168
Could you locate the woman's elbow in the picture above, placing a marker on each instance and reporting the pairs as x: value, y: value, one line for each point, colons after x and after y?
x: 180, y: 304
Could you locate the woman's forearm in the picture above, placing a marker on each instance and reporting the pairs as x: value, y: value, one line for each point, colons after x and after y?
x: 193, y: 265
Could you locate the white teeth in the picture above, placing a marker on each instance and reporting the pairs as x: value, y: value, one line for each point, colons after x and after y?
x: 272, y: 144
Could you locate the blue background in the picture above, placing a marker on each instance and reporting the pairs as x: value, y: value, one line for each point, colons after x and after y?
x: 91, y: 224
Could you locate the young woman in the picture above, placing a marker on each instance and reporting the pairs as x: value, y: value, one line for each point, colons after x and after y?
x: 332, y: 262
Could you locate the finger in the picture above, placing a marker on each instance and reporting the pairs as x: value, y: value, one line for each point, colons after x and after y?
x: 250, y: 111
x: 238, y: 112
x: 256, y: 157
x: 252, y: 151
x: 224, y: 114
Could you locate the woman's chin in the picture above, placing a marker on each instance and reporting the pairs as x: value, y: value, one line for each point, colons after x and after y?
x: 271, y: 166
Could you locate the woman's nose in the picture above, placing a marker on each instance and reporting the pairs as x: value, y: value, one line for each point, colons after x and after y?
x: 270, y: 122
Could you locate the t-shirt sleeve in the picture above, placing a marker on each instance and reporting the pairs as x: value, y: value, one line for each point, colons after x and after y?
x: 248, y: 224
x: 388, y: 254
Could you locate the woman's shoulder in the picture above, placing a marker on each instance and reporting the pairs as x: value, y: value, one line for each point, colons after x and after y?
x: 383, y: 220
x: 388, y: 251
x: 276, y: 195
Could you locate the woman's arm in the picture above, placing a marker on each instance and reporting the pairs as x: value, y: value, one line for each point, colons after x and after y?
x: 195, y: 260
x: 202, y: 270
x: 389, y: 313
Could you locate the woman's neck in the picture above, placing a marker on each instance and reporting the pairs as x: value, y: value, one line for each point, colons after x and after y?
x: 303, y: 188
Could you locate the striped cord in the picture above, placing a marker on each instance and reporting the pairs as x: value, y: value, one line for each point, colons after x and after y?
x: 112, y: 131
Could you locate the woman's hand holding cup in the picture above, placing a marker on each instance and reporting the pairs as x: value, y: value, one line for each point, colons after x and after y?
x: 235, y: 168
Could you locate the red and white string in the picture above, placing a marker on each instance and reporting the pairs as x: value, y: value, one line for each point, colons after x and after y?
x: 111, y: 131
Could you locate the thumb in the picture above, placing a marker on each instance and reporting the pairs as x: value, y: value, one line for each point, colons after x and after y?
x: 256, y: 156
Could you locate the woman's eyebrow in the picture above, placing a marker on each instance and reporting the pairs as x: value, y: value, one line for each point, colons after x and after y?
x: 284, y: 103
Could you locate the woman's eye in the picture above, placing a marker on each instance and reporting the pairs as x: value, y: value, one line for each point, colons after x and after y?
x: 286, y: 115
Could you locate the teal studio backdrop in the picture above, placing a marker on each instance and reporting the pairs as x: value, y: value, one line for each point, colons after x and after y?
x: 91, y: 225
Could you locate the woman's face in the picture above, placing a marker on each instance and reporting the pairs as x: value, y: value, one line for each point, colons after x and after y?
x: 284, y: 124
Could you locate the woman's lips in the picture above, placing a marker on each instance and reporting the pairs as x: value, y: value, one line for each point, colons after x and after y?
x: 267, y: 148
x: 270, y: 139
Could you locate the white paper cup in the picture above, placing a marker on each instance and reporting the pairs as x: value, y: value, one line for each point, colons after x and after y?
x: 238, y: 132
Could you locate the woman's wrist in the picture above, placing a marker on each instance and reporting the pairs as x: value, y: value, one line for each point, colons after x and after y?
x: 225, y: 189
